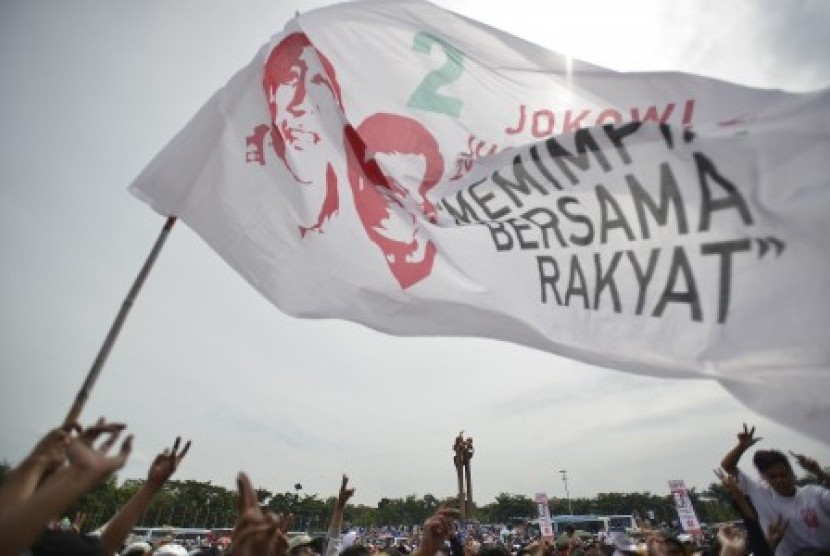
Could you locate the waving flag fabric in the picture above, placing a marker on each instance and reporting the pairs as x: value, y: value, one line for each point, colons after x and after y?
x: 397, y: 165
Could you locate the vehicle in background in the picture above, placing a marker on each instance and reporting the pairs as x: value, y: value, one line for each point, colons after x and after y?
x: 593, y: 524
x: 187, y: 535
x: 624, y: 523
x: 151, y: 534
x: 192, y: 535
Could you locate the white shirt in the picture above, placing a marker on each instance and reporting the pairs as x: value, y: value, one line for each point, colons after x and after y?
x: 808, y: 513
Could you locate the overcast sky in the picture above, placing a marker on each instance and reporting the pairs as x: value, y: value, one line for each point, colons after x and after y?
x: 91, y: 90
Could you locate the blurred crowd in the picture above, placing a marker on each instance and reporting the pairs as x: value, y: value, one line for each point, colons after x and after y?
x: 778, y: 517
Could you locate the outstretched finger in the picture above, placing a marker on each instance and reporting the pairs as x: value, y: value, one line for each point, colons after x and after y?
x: 180, y: 457
x: 91, y: 434
x: 126, y: 449
x: 110, y: 441
x: 247, y: 496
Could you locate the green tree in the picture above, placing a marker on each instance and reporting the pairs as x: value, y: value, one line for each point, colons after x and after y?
x: 5, y: 469
x: 311, y: 513
x: 284, y: 502
x: 714, y: 505
x: 263, y: 496
x: 508, y: 507
x: 389, y: 511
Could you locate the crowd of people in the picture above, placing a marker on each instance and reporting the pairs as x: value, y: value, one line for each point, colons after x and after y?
x: 778, y: 516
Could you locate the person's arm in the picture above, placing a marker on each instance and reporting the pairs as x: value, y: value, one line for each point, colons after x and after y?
x: 116, y: 530
x: 87, y: 467
x: 46, y: 457
x: 746, y: 439
x: 333, y: 540
x: 730, y: 482
x: 811, y: 466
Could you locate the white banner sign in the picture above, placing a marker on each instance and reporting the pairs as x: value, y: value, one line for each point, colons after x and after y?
x: 543, y: 512
x: 685, y: 511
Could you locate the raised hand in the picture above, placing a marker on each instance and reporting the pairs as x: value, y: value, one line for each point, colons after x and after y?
x: 345, y: 492
x: 732, y: 540
x: 90, y: 434
x: 50, y: 452
x: 776, y: 530
x: 729, y: 481
x: 88, y: 465
x: 258, y: 534
x: 48, y: 455
x: 808, y: 464
x: 166, y: 463
x: 437, y: 529
x: 747, y: 438
x: 95, y: 463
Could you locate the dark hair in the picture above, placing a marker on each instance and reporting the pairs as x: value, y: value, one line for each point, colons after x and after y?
x: 139, y: 551
x: 355, y: 550
x: 494, y: 550
x: 55, y: 543
x: 392, y: 550
x: 764, y: 459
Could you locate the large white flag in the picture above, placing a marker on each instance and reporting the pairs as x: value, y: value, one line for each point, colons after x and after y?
x: 394, y: 164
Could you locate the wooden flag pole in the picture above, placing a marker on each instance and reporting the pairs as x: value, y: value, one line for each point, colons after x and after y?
x: 103, y: 353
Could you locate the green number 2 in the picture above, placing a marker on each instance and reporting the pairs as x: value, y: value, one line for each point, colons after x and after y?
x: 426, y: 96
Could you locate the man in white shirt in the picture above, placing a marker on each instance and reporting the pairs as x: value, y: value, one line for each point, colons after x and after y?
x: 805, y: 509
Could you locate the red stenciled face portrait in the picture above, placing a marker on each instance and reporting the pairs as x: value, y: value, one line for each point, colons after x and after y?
x: 392, y: 205
x: 304, y: 99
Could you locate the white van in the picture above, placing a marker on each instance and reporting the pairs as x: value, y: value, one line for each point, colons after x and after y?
x: 153, y: 534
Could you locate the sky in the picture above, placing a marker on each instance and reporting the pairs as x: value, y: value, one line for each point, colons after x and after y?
x: 91, y: 90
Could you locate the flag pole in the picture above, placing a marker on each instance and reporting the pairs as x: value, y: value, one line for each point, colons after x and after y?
x: 126, y: 305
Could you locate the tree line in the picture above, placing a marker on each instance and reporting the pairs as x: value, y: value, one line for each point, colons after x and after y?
x: 190, y: 503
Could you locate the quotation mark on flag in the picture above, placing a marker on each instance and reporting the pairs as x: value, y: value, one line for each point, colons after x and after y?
x: 764, y: 245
